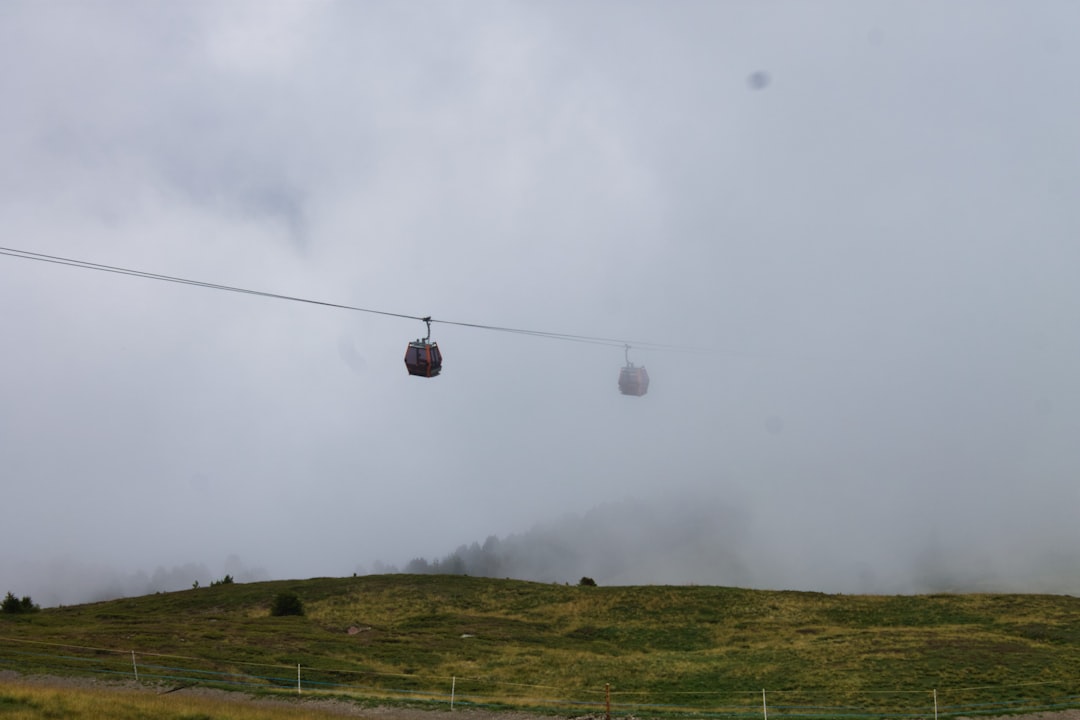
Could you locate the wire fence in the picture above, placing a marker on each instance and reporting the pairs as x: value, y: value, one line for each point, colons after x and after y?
x: 172, y: 672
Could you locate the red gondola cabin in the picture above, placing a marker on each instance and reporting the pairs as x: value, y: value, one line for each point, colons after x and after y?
x: 423, y: 358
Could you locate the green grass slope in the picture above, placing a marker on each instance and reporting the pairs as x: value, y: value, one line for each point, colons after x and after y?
x: 704, y: 648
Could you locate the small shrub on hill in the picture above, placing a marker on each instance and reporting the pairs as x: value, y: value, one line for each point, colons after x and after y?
x: 13, y: 605
x: 286, y: 603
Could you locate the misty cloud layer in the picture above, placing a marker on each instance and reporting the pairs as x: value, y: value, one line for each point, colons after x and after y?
x: 697, y: 540
x: 68, y: 581
x: 876, y: 249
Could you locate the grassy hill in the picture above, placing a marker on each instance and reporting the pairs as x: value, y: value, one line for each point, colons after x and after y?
x: 659, y: 648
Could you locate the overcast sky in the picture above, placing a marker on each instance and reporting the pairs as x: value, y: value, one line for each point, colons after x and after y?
x: 878, y: 245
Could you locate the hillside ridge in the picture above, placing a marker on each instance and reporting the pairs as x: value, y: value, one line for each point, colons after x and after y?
x: 503, y: 640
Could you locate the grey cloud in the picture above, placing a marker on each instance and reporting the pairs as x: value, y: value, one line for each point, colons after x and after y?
x: 875, y: 250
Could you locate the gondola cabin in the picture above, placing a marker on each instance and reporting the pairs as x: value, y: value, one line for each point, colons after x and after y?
x: 633, y: 381
x: 422, y: 358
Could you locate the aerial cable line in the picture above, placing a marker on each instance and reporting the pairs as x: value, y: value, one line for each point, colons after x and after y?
x: 615, y: 342
x: 86, y: 265
x: 27, y: 255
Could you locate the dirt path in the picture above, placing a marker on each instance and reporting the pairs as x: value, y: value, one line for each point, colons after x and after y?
x: 347, y: 709
x: 327, y: 705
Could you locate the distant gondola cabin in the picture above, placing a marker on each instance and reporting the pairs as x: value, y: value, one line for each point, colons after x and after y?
x: 633, y: 381
x: 422, y: 358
